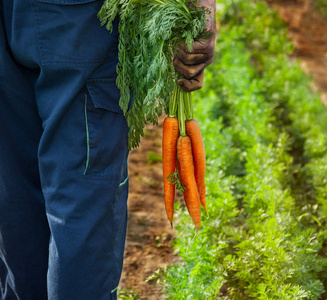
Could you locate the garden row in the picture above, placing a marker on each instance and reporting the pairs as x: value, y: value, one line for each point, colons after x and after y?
x: 265, y: 136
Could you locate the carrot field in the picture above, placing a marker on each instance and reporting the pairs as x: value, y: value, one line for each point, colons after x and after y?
x: 265, y: 135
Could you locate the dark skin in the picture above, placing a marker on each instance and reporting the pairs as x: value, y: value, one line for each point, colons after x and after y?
x: 191, y: 64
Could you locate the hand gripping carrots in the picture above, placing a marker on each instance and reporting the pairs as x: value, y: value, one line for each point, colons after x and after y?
x: 183, y: 157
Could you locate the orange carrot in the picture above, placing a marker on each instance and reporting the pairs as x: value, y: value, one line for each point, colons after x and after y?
x: 169, y: 153
x: 186, y: 173
x: 198, y: 152
x: 203, y: 198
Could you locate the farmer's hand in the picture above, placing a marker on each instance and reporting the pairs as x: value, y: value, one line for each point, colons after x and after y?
x: 190, y: 64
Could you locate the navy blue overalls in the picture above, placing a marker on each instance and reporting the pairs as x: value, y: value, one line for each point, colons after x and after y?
x: 63, y: 153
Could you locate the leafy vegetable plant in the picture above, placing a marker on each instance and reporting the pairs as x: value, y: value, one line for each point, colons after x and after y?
x: 149, y: 34
x: 265, y: 136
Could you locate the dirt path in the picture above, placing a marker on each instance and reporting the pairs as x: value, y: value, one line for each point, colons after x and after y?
x: 308, y: 32
x: 149, y: 234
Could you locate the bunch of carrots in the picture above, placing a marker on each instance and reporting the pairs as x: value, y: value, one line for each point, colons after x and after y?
x: 183, y: 157
x: 149, y: 34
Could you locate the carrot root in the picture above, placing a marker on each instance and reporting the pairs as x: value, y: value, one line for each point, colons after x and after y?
x: 198, y: 152
x: 203, y: 198
x: 169, y: 151
x: 186, y: 172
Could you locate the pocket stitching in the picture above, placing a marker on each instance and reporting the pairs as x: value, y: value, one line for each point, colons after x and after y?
x: 87, y: 137
x: 89, y: 171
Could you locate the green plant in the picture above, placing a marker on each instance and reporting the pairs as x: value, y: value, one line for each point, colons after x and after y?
x: 128, y: 294
x: 153, y: 157
x: 149, y: 34
x: 265, y: 134
x: 322, y: 7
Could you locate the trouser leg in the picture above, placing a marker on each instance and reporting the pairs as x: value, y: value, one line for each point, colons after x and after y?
x: 83, y: 151
x: 83, y: 166
x: 24, y: 231
x: 82, y: 145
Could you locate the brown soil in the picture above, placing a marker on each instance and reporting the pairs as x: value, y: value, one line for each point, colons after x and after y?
x: 308, y: 32
x: 149, y: 233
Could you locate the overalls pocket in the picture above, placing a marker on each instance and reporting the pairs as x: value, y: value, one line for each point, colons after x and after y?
x: 70, y: 34
x: 106, y: 164
x: 106, y: 130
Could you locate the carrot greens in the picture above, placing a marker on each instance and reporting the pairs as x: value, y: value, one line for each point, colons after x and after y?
x: 149, y: 34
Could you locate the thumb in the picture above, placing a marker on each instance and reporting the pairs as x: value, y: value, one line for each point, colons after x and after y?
x: 192, y: 84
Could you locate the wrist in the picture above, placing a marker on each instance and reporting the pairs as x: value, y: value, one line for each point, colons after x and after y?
x: 211, y: 5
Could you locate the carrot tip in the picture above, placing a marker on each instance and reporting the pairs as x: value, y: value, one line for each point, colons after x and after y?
x: 171, y: 224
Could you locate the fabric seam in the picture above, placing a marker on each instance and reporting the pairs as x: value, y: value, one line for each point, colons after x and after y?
x: 37, y: 30
x: 122, y: 183
x: 87, y: 137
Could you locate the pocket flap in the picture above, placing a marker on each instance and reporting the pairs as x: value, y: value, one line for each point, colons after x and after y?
x: 104, y: 94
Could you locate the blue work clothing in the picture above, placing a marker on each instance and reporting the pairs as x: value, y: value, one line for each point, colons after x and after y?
x: 63, y: 153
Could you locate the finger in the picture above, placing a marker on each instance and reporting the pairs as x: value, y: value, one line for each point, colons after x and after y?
x: 192, y: 58
x: 186, y: 71
x: 193, y: 84
x: 189, y: 59
x: 200, y: 46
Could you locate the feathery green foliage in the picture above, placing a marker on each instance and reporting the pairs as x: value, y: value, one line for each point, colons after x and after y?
x: 265, y: 134
x: 149, y: 33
